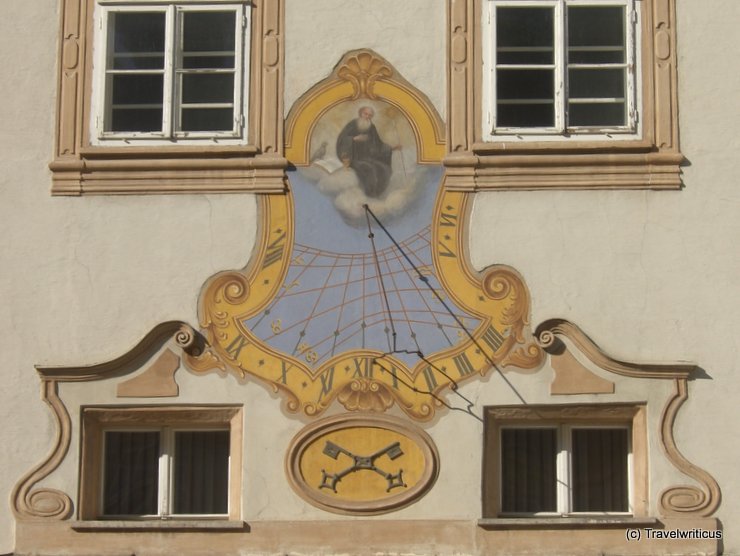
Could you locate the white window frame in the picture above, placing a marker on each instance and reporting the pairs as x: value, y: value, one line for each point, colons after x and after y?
x: 166, y: 475
x: 169, y: 135
x: 560, y: 132
x: 564, y: 470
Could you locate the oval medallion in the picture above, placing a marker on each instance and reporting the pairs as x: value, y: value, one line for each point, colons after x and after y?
x: 362, y: 465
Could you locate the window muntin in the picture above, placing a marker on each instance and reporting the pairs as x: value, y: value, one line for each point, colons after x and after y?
x: 564, y: 470
x: 170, y: 72
x: 560, y: 69
x: 165, y: 473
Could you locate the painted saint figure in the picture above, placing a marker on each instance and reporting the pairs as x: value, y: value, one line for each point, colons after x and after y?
x: 360, y: 147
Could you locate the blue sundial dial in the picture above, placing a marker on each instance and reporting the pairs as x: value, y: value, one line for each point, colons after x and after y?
x: 333, y: 296
x: 346, y: 291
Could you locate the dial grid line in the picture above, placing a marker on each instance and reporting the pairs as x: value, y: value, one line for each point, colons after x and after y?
x: 431, y: 311
x: 381, y: 285
x: 400, y: 299
x: 363, y: 326
x: 313, y: 310
x: 347, y: 338
x: 284, y: 291
x: 348, y: 256
x: 414, y: 308
x: 399, y: 256
x: 341, y: 307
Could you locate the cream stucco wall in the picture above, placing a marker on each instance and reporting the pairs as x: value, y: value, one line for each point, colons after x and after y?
x: 651, y: 276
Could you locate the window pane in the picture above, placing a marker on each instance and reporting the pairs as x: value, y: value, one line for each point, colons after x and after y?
x: 596, y: 26
x: 524, y: 84
x: 207, y: 119
x: 136, y: 119
x: 137, y: 89
x: 596, y: 83
x: 208, y: 31
x: 131, y: 473
x: 524, y: 35
x: 136, y: 102
x: 596, y: 35
x: 528, y: 472
x: 202, y: 88
x: 597, y: 114
x: 136, y: 40
x: 201, y: 472
x: 210, y: 61
x: 600, y: 470
x: 525, y: 98
x: 209, y: 40
x: 525, y: 115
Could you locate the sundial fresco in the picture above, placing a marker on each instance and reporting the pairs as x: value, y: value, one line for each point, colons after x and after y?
x: 339, y: 279
x: 359, y: 289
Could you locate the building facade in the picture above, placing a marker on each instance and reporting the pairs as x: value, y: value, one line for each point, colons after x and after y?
x: 420, y: 277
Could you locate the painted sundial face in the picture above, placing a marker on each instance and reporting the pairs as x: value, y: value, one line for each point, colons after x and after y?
x: 345, y: 290
x: 359, y: 290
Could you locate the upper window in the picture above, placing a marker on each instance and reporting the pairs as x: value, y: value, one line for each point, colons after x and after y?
x: 562, y: 94
x: 559, y: 68
x: 169, y: 96
x: 170, y: 72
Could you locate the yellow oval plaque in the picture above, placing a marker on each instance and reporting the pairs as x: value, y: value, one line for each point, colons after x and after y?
x: 362, y: 465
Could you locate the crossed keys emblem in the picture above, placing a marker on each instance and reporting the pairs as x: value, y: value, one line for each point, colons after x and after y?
x: 330, y: 480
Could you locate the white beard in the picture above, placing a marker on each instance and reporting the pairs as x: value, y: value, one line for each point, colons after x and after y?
x: 363, y: 124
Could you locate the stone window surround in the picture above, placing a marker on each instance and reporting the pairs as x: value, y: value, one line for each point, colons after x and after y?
x: 81, y: 168
x: 96, y: 419
x: 633, y: 415
x: 651, y: 162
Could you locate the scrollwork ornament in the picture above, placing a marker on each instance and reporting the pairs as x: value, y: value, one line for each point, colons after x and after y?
x: 501, y: 283
x: 497, y: 284
x: 235, y: 289
x: 529, y: 356
x: 363, y: 70
x: 185, y: 337
x: 227, y: 289
x: 46, y: 503
x: 204, y: 362
x: 365, y: 395
x: 546, y: 339
x: 685, y: 499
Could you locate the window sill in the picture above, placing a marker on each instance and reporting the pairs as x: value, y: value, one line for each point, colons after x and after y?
x: 565, y: 522
x: 161, y: 525
x: 548, y: 170
x: 182, y: 169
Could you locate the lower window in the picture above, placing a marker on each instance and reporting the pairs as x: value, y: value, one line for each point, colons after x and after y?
x: 147, y: 463
x: 564, y: 461
x: 564, y: 470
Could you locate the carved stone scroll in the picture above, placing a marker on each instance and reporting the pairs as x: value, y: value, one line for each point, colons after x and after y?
x: 29, y: 502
